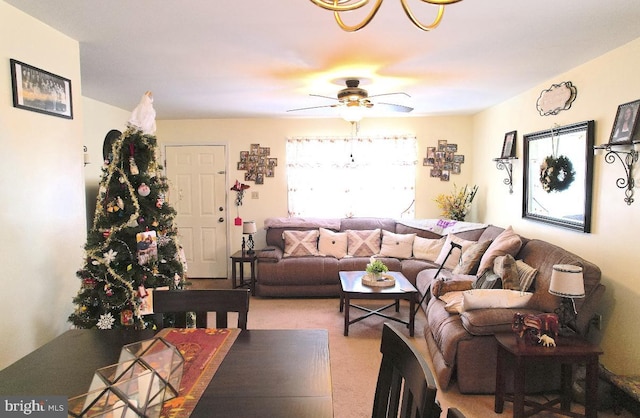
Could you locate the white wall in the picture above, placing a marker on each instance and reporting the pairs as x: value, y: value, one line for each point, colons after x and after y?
x: 602, y: 85
x: 42, y: 193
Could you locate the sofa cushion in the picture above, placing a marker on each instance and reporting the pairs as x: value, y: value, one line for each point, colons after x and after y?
x: 526, y: 275
x: 363, y: 243
x: 470, y: 259
x: 454, y: 258
x: 494, y: 298
x: 300, y: 243
x: 452, y: 301
x: 441, y: 287
x: 508, y: 242
x: 332, y: 243
x: 490, y: 321
x: 505, y: 267
x: 426, y: 248
x: 396, y: 245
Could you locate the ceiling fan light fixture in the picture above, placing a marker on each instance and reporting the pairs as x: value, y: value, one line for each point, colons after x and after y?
x: 352, y: 113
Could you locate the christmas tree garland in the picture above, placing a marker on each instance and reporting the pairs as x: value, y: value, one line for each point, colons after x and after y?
x: 556, y: 174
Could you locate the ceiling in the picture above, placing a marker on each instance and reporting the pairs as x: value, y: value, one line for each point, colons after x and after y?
x: 257, y: 58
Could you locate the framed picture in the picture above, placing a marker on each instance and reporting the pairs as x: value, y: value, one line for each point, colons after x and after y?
x: 509, y: 145
x: 40, y: 91
x: 558, y: 176
x: 625, y: 124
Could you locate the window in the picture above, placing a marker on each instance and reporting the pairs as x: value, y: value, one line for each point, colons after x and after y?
x: 345, y: 177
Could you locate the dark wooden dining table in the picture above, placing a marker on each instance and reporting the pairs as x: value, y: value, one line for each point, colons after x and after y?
x: 276, y: 373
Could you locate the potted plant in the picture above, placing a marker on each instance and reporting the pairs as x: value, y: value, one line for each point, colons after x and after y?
x: 375, y: 268
x: 456, y: 205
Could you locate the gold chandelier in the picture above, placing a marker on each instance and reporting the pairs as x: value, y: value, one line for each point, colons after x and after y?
x: 338, y: 6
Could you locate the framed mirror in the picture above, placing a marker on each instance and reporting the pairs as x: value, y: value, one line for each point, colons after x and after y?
x: 558, y: 176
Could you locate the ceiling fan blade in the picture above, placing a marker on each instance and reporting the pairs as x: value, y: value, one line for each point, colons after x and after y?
x: 396, y: 107
x: 325, y: 97
x: 389, y: 94
x: 312, y: 107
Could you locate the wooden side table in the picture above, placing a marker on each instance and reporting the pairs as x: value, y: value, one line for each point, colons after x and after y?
x: 239, y: 258
x: 568, y: 351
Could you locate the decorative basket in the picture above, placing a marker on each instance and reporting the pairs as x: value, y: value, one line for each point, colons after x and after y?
x: 378, y: 280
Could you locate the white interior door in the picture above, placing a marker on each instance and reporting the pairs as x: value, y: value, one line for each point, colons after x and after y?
x: 197, y: 192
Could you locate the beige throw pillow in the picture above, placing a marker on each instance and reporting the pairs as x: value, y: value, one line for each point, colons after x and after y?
x: 508, y: 242
x: 526, y: 274
x: 363, y: 243
x: 427, y: 249
x: 332, y: 243
x: 470, y: 258
x: 505, y: 267
x: 396, y: 245
x: 300, y: 243
x: 454, y: 258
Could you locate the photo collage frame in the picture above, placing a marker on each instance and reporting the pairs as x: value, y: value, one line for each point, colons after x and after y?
x: 257, y: 163
x: 443, y: 160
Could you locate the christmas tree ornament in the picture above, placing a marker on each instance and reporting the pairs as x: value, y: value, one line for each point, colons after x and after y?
x: 106, y: 321
x: 126, y: 317
x: 144, y: 190
x: 109, y: 256
x: 140, y: 220
x: 142, y: 292
x: 120, y: 203
x: 121, y: 179
x: 108, y: 290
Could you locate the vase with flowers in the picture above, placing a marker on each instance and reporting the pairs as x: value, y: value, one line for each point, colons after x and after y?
x: 456, y: 205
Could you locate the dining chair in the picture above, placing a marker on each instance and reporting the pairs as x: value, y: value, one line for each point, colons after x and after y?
x: 220, y: 301
x: 405, y: 383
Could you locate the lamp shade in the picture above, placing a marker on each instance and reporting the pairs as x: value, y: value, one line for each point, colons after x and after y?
x: 249, y: 227
x: 567, y: 281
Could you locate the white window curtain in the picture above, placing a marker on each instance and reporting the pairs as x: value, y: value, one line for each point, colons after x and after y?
x: 351, y: 177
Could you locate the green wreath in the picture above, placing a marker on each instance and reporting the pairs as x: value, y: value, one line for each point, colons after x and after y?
x: 556, y: 174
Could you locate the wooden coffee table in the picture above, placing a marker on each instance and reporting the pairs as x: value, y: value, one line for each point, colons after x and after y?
x: 569, y: 351
x: 351, y: 287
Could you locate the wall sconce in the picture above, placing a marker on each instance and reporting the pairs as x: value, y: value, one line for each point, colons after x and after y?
x: 87, y: 160
x: 506, y: 164
x: 249, y: 228
x: 567, y: 282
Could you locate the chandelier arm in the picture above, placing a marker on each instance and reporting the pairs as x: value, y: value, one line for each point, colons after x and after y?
x: 416, y: 22
x: 335, y: 7
x: 360, y: 25
x: 440, y: 2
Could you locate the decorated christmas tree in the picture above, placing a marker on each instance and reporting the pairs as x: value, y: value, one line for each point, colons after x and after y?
x: 132, y: 246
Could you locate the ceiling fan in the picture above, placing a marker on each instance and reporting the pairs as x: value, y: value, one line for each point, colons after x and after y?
x: 353, y: 99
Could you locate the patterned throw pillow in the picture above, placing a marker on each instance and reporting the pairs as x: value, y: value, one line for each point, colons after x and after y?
x: 454, y: 258
x: 427, y: 249
x: 397, y: 245
x: 526, y: 274
x: 508, y: 242
x: 363, y: 243
x: 300, y: 243
x: 505, y: 267
x: 332, y: 243
x: 488, y: 280
x: 470, y: 258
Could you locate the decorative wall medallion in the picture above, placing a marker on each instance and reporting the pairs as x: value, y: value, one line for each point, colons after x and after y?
x: 444, y: 160
x: 257, y: 164
x: 556, y: 98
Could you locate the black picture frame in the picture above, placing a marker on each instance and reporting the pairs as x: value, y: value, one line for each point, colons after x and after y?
x: 561, y: 203
x: 40, y: 91
x: 509, y: 145
x: 625, y: 123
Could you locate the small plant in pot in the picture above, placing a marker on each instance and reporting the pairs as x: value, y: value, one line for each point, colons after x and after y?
x: 375, y: 268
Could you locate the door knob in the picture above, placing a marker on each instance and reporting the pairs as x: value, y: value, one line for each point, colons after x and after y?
x: 221, y: 219
x: 220, y: 208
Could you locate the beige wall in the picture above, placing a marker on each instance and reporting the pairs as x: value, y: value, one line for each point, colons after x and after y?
x: 42, y: 192
x: 602, y: 85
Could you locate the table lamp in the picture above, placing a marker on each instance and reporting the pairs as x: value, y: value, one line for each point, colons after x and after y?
x: 568, y: 283
x: 249, y: 228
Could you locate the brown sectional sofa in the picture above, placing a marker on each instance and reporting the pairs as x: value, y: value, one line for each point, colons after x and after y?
x: 462, y: 346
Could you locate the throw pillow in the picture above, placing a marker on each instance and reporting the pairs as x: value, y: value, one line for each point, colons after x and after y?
x: 494, y: 298
x: 300, y: 243
x: 488, y: 280
x: 427, y: 249
x: 332, y: 243
x: 526, y: 274
x: 454, y: 258
x: 396, y: 245
x: 470, y: 258
x: 508, y: 242
x: 363, y: 243
x: 440, y: 287
x: 452, y: 302
x: 505, y: 267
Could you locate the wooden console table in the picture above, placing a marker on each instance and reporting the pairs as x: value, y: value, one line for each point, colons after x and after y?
x: 569, y: 351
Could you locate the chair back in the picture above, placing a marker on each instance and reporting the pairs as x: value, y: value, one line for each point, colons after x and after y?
x: 405, y: 383
x: 220, y: 301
